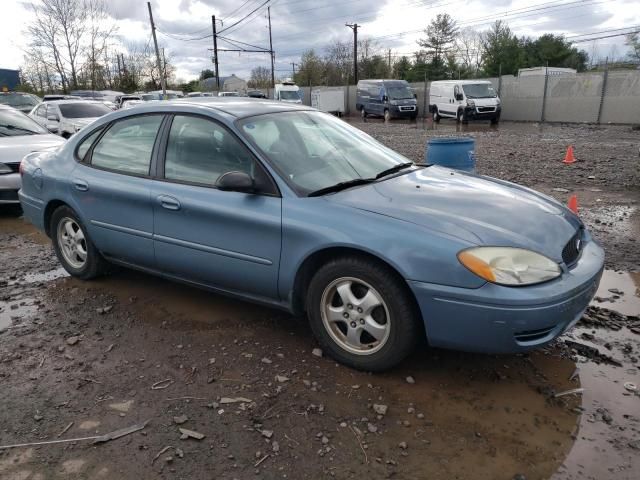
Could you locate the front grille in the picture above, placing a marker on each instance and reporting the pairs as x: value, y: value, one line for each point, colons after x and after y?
x: 9, y: 195
x: 532, y: 335
x: 571, y: 251
x: 486, y: 109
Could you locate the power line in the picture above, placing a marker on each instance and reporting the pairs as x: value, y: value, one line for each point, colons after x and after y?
x: 245, y: 17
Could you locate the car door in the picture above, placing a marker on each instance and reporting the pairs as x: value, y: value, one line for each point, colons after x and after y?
x: 224, y: 239
x: 112, y: 188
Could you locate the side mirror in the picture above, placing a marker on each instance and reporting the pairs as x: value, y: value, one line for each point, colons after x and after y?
x: 385, y: 98
x: 236, y: 182
x: 415, y: 95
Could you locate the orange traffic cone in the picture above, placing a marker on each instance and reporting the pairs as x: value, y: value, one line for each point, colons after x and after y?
x: 569, y: 158
x: 573, y: 204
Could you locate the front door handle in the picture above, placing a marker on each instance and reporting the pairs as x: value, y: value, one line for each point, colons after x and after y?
x: 170, y: 203
x: 80, y: 185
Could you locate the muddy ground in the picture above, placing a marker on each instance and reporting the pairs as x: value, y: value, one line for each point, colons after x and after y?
x: 82, y: 359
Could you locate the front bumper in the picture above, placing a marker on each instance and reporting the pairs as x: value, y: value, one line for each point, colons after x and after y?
x: 498, y: 319
x: 474, y: 113
x: 404, y: 111
x: 9, y: 186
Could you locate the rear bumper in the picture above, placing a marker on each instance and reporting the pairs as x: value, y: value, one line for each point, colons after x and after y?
x: 9, y: 186
x: 32, y: 210
x: 497, y: 319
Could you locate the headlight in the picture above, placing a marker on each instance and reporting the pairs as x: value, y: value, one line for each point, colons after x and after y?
x: 509, y: 266
x: 471, y: 103
x: 4, y: 169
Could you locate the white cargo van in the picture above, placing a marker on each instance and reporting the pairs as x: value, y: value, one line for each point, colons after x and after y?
x: 287, y: 91
x: 464, y: 100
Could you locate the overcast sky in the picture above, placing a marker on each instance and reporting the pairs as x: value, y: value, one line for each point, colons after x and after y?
x: 298, y: 25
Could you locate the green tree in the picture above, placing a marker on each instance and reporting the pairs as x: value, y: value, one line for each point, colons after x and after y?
x: 633, y: 42
x: 310, y: 71
x: 553, y: 50
x: 206, y: 73
x: 440, y: 37
x: 402, y: 68
x: 501, y: 50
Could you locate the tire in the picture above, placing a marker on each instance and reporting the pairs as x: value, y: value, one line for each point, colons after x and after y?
x: 436, y: 115
x: 70, y: 250
x: 461, y: 117
x: 392, y: 314
x: 495, y: 120
x: 387, y: 116
x: 66, y: 135
x: 363, y: 113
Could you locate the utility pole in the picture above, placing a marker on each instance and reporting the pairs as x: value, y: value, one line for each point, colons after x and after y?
x: 273, y: 55
x: 293, y: 68
x: 155, y: 42
x: 215, y: 50
x: 354, y: 27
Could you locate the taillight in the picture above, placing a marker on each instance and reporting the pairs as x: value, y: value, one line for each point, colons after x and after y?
x: 21, y: 168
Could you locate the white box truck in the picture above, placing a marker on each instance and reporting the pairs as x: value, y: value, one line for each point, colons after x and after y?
x: 330, y: 100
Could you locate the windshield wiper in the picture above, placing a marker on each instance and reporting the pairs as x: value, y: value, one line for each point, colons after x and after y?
x: 394, y: 169
x: 13, y: 127
x: 340, y: 186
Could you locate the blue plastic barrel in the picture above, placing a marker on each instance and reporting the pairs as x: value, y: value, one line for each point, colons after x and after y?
x: 452, y: 152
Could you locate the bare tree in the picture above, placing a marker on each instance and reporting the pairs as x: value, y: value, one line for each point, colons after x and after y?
x: 468, y: 48
x: 44, y: 35
x: 338, y: 62
x: 260, y: 77
x: 99, y: 30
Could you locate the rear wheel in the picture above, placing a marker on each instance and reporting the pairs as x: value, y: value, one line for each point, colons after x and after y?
x: 361, y: 314
x: 73, y: 247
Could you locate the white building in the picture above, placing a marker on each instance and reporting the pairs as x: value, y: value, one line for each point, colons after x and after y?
x: 227, y: 84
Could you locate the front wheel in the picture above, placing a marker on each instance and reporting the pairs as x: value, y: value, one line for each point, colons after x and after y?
x: 73, y: 247
x: 462, y: 117
x: 387, y: 116
x: 363, y: 113
x: 362, y: 314
x: 436, y: 115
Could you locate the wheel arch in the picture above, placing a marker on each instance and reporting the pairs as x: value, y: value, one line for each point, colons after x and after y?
x: 318, y: 258
x: 51, y: 207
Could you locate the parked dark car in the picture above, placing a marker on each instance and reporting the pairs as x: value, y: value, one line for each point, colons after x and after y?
x: 284, y: 205
x: 20, y: 101
x: 256, y: 94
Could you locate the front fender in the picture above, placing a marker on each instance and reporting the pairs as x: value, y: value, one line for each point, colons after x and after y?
x: 310, y: 225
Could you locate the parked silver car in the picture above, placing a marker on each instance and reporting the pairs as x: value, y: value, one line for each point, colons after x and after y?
x: 66, y: 117
x: 19, y: 135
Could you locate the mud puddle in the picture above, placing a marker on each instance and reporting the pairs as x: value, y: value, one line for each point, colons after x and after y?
x: 15, y: 311
x: 619, y: 291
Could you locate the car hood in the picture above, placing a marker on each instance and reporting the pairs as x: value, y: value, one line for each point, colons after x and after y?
x: 12, y: 149
x: 477, y: 210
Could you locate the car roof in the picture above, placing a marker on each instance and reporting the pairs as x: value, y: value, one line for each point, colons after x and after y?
x: 73, y: 100
x: 239, y: 107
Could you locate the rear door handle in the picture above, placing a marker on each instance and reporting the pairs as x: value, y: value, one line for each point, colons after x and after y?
x: 80, y: 185
x: 170, y: 203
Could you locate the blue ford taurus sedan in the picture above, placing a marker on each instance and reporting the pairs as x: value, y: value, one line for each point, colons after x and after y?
x: 290, y: 207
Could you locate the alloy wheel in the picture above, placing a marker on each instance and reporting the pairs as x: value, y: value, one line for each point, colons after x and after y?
x: 72, y: 242
x: 355, y: 315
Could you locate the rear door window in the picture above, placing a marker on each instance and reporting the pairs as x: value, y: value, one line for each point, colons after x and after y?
x: 127, y: 146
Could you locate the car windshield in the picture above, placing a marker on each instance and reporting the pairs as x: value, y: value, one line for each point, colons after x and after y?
x: 479, y: 90
x: 83, y: 110
x: 289, y: 95
x: 399, y: 93
x: 314, y: 150
x: 14, y: 123
x: 18, y: 100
